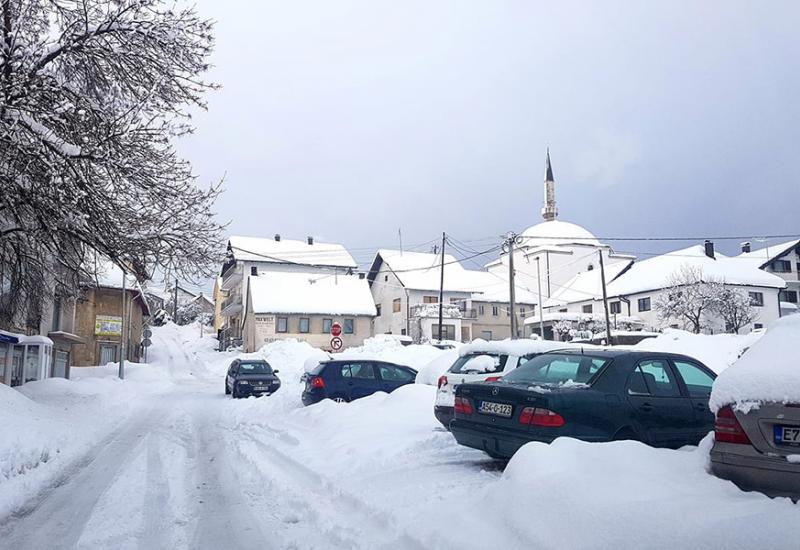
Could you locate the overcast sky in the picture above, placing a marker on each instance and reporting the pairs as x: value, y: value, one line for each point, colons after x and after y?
x: 349, y: 120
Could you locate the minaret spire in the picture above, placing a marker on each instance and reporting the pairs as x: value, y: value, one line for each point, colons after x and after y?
x: 549, y: 210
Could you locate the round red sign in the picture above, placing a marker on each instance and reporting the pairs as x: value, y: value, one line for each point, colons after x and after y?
x: 336, y: 329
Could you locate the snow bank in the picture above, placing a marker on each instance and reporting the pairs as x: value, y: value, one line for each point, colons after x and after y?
x: 429, y: 374
x: 716, y: 351
x: 768, y: 371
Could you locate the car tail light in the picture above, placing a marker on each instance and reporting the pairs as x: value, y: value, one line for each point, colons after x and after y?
x: 442, y: 381
x: 463, y: 406
x: 317, y: 382
x: 727, y: 428
x: 541, y: 417
x: 493, y: 379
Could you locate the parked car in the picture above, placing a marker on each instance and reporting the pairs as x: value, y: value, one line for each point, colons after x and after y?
x: 344, y: 380
x: 757, y: 428
x: 484, y: 361
x: 248, y: 377
x: 660, y: 399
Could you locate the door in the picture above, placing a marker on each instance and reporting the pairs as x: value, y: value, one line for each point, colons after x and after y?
x: 60, y: 362
x: 16, y: 365
x: 659, y: 409
x: 108, y: 354
x: 360, y: 379
x: 393, y: 377
x: 698, y: 381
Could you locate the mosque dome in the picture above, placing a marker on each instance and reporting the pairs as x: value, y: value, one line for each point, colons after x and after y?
x: 555, y: 232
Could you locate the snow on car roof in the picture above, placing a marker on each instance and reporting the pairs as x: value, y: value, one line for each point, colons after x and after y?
x: 767, y: 372
x: 260, y: 249
x: 512, y: 347
x: 297, y: 292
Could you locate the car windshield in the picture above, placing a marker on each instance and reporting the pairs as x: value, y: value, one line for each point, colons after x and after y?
x: 255, y: 368
x: 557, y: 369
x: 479, y: 363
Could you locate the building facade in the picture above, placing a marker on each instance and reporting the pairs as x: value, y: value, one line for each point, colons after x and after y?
x: 782, y: 260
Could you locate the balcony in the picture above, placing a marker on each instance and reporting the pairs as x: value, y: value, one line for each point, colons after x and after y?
x: 431, y: 311
x: 231, y: 276
x: 469, y: 313
x: 231, y: 305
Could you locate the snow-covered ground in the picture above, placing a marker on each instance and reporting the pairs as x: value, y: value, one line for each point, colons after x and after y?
x: 166, y: 460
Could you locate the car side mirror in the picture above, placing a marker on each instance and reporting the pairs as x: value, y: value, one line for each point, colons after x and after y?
x: 275, y: 372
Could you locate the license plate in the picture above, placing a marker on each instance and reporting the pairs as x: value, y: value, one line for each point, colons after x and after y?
x: 787, y: 435
x: 497, y: 409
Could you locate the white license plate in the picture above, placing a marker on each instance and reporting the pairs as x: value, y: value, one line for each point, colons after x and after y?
x: 497, y: 409
x: 787, y: 435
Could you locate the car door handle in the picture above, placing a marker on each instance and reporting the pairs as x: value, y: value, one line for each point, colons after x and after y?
x: 646, y: 407
x: 702, y: 407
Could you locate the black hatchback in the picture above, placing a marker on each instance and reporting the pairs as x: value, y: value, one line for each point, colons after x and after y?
x: 660, y: 399
x: 346, y: 380
x: 248, y: 377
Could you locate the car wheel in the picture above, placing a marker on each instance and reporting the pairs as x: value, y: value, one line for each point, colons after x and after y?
x: 235, y: 393
x: 339, y: 399
x: 227, y: 390
x: 626, y: 434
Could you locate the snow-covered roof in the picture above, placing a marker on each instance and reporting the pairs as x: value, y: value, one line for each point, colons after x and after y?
x: 109, y: 275
x: 259, y: 249
x: 587, y: 285
x: 654, y: 273
x: 767, y: 372
x: 292, y: 292
x: 556, y: 232
x: 422, y: 271
x: 759, y: 257
x: 518, y: 347
x: 497, y: 289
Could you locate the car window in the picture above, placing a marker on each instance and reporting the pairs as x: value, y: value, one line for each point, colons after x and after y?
x: 652, y: 377
x: 255, y: 368
x: 393, y: 374
x: 553, y: 368
x: 697, y: 380
x: 479, y: 363
x: 363, y: 371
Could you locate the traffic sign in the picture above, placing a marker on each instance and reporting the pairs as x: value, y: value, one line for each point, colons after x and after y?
x: 147, y: 333
x: 336, y: 343
x: 336, y: 329
x: 146, y: 342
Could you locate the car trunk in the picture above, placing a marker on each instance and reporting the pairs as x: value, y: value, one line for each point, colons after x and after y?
x: 500, y: 405
x: 773, y: 428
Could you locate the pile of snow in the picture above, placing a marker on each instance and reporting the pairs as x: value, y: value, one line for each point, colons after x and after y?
x: 768, y: 371
x: 430, y: 373
x: 512, y: 347
x: 716, y: 351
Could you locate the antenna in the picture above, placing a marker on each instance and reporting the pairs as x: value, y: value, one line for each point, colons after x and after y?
x: 400, y: 238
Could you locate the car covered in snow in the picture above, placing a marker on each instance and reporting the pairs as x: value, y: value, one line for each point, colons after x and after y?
x: 344, y: 380
x: 248, y: 377
x: 484, y: 361
x: 660, y: 399
x: 757, y: 406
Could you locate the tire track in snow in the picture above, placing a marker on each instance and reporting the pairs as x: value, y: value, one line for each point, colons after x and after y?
x: 155, y: 524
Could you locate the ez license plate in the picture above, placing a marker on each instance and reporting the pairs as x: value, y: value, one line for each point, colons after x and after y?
x: 497, y: 409
x: 787, y: 435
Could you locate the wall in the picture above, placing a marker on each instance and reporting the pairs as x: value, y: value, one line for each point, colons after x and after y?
x: 105, y: 301
x: 260, y: 329
x: 499, y: 325
x: 385, y: 288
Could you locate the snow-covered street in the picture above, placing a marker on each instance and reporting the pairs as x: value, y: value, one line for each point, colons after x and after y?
x: 167, y: 460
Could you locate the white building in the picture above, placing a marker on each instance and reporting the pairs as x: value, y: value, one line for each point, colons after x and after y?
x: 254, y: 256
x: 783, y: 260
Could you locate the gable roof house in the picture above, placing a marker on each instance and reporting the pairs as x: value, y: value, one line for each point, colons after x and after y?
x: 782, y: 260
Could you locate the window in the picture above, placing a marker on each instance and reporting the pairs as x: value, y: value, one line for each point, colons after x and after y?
x: 757, y: 326
x: 788, y: 296
x: 359, y: 371
x: 590, y: 267
x: 430, y: 299
x: 282, y: 324
x: 478, y: 363
x: 56, y: 314
x: 378, y: 310
x: 385, y: 278
x: 396, y: 305
x: 326, y: 326
x: 557, y: 368
x: 587, y: 308
x: 481, y: 310
x: 254, y: 367
x: 522, y: 312
x: 652, y: 377
x: 456, y: 300
x: 303, y: 325
x: 697, y: 381
x: 495, y: 311
x: 402, y: 332
x: 393, y: 374
x: 448, y: 332
x: 486, y: 335
x: 349, y: 327
x: 615, y: 307
x: 756, y: 299
x: 644, y: 304
x: 782, y: 266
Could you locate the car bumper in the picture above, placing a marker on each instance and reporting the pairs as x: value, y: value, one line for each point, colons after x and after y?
x: 244, y: 391
x: 496, y: 442
x: 753, y: 471
x: 309, y: 398
x: 444, y: 415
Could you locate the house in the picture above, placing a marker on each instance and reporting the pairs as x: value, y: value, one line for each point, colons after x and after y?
x: 249, y: 257
x: 304, y: 305
x: 99, y: 315
x: 405, y: 287
x: 782, y: 260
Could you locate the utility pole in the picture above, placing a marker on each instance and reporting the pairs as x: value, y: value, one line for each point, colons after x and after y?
x: 541, y: 309
x: 511, y: 239
x: 175, y: 303
x: 609, y: 339
x: 122, y: 333
x: 441, y: 287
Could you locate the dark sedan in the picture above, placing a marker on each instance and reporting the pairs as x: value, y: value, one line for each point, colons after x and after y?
x: 346, y: 380
x: 251, y: 377
x: 603, y: 395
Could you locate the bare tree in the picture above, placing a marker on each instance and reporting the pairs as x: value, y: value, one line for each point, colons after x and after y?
x: 735, y: 308
x: 92, y: 94
x: 689, y: 297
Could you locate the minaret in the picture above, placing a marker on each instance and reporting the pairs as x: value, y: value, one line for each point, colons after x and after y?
x: 549, y: 210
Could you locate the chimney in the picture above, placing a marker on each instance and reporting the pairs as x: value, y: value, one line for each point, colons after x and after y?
x: 310, y: 240
x: 746, y: 247
x: 709, y: 249
x: 278, y: 237
x: 361, y: 275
